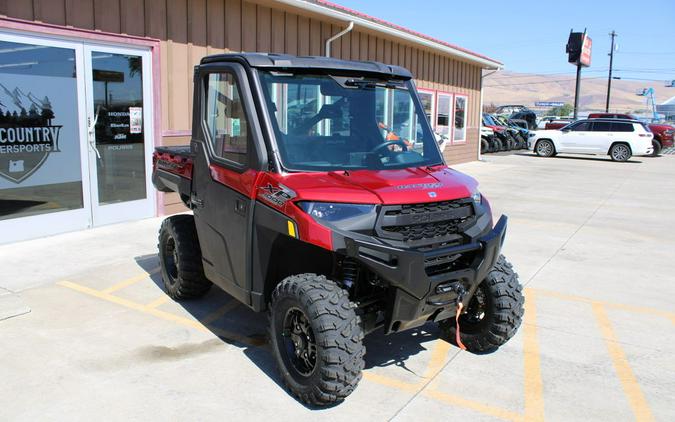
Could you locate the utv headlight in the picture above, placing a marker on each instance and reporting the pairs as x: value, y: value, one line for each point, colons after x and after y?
x: 331, y: 212
x: 477, y: 198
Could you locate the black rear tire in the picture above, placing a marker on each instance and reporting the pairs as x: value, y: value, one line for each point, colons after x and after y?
x: 180, y: 258
x: 328, y: 326
x: 620, y: 152
x: 657, y: 148
x: 493, y: 314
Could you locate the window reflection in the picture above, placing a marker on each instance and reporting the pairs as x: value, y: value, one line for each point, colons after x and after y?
x: 40, y: 169
x: 118, y: 103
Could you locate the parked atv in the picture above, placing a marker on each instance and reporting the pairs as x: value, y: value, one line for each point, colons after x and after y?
x: 337, y: 221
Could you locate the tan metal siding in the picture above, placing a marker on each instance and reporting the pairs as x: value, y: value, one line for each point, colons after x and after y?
x: 191, y: 29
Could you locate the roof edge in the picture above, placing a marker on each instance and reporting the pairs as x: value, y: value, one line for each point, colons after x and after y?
x: 327, y: 8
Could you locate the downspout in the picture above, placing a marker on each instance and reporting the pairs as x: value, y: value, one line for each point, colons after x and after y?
x: 338, y: 35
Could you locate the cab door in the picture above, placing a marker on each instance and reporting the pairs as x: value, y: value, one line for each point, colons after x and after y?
x: 228, y: 153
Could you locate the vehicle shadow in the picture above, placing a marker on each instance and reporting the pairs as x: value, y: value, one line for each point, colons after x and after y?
x: 245, y: 329
x: 578, y: 157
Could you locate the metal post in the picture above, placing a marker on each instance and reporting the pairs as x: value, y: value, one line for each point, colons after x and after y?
x: 576, y: 91
x: 609, y: 78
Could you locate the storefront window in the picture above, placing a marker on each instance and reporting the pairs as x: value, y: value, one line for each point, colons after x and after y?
x: 40, y: 169
x: 443, y: 114
x: 460, y: 119
x: 118, y: 103
x: 427, y: 99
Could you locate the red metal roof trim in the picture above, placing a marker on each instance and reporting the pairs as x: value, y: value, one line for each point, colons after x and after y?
x: 400, y: 28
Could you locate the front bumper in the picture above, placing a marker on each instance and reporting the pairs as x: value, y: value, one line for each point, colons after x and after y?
x: 418, y: 296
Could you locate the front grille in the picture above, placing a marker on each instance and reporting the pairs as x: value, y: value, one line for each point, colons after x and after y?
x: 434, y: 221
x: 429, y: 207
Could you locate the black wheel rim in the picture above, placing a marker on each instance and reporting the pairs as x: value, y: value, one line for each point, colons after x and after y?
x: 476, y: 311
x: 171, y: 259
x: 299, y: 343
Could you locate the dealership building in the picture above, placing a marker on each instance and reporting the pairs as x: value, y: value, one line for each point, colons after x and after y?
x: 88, y: 88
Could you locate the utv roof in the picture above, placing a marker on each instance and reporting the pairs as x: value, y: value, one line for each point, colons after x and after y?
x: 289, y: 62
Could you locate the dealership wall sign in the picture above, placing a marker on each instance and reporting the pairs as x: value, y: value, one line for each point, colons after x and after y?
x: 27, y: 137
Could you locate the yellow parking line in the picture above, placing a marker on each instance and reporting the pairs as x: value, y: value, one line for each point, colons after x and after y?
x: 630, y: 308
x: 220, y: 312
x: 534, y: 397
x: 629, y: 383
x: 390, y: 382
x: 128, y: 282
x: 226, y: 335
x: 158, y: 302
x: 438, y: 355
x: 443, y: 397
x: 470, y: 404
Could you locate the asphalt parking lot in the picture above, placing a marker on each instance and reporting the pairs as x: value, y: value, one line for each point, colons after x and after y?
x: 95, y: 336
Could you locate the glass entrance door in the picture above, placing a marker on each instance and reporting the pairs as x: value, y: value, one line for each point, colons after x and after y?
x: 44, y: 188
x: 119, y: 133
x: 75, y: 135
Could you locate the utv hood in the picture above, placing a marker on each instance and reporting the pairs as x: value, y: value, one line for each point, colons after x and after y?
x: 403, y: 186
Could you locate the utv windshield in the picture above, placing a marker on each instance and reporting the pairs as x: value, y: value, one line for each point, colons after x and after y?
x: 327, y: 123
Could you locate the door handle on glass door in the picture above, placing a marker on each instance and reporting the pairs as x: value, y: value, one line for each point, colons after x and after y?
x: 92, y: 133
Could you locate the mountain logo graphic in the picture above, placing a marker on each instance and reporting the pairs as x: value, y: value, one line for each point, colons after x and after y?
x: 27, y: 135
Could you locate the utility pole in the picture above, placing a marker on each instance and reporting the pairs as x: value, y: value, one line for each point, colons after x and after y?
x: 609, y: 78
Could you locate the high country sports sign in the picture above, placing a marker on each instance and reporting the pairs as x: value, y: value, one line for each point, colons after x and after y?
x: 26, y: 139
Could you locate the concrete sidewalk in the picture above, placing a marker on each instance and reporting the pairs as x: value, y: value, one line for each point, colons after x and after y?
x: 591, y: 239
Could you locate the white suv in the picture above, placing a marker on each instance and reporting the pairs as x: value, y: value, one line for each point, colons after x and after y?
x: 620, y: 139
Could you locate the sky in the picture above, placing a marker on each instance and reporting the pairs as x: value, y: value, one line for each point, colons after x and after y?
x: 530, y: 36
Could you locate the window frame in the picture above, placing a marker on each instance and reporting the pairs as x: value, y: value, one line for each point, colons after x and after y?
x: 451, y: 112
x: 454, y: 112
x: 255, y: 149
x: 432, y: 92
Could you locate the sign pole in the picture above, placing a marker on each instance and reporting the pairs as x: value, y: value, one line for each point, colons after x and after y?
x: 576, y: 91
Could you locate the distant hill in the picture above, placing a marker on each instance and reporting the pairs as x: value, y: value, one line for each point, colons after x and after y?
x: 522, y: 88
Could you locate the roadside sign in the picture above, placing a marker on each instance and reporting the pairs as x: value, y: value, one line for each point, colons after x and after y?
x: 549, y: 104
x: 578, y: 48
x: 585, y: 58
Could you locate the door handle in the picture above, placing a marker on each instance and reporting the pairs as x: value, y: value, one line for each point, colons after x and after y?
x: 92, y: 133
x: 240, y: 207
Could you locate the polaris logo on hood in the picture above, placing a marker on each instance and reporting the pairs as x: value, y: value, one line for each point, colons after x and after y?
x: 422, y: 186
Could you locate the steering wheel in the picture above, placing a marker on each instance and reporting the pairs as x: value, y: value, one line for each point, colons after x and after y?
x: 386, y: 144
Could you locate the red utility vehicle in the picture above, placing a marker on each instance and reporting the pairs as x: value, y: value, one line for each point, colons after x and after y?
x: 663, y: 133
x: 319, y: 195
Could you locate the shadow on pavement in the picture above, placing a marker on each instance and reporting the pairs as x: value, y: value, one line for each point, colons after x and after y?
x: 578, y: 157
x: 381, y: 351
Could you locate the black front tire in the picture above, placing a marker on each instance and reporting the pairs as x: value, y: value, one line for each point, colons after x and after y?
x: 545, y: 148
x: 334, y: 329
x: 484, y: 146
x: 657, y: 148
x: 493, y: 314
x: 180, y: 258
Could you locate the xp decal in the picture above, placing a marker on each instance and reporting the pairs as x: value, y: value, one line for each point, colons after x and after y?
x: 27, y: 136
x: 277, y: 195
